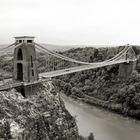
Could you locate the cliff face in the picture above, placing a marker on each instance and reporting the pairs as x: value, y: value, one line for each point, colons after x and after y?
x: 40, y: 117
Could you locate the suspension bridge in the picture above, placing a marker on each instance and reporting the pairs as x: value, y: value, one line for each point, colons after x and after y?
x: 25, y: 71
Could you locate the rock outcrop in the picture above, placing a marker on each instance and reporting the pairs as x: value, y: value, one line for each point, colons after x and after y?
x: 40, y: 117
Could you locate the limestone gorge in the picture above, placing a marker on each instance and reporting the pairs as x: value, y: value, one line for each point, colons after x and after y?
x: 70, y: 70
x: 32, y: 109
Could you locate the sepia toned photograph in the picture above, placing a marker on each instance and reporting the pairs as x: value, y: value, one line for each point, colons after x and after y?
x: 69, y: 70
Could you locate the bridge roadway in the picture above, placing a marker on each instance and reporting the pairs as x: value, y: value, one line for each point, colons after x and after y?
x: 14, y: 84
x: 79, y: 68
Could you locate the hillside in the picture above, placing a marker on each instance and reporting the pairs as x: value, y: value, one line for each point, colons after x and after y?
x: 102, y: 86
x: 39, y: 117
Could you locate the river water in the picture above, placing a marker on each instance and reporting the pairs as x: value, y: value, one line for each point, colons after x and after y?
x: 104, y: 124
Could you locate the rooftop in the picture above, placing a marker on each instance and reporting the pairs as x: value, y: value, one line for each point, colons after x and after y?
x: 24, y: 37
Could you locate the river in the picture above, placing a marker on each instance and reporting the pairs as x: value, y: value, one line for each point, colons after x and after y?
x: 104, y: 124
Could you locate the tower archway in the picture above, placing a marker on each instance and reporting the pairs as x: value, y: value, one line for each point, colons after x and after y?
x: 19, y: 71
x: 19, y: 55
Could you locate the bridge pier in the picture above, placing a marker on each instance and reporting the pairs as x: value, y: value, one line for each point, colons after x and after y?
x: 126, y: 69
x: 28, y: 90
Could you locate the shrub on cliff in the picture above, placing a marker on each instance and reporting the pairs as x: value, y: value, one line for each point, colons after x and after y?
x: 91, y: 136
x: 5, y: 131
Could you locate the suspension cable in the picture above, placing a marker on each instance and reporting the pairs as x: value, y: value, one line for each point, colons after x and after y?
x: 1, y: 49
x: 121, y: 54
x: 60, y: 56
x: 117, y: 54
x: 76, y: 61
x: 70, y: 59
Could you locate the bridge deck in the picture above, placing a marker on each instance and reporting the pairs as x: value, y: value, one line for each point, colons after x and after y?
x: 18, y: 84
x: 78, y: 68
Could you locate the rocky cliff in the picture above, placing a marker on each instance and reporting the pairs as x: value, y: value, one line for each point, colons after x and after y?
x: 40, y: 117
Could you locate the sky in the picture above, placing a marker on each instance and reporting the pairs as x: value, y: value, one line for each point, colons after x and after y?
x: 71, y: 22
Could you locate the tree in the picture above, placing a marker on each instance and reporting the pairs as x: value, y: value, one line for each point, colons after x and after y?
x: 67, y: 88
x: 91, y: 136
x: 36, y: 128
x: 76, y: 92
x: 5, y: 131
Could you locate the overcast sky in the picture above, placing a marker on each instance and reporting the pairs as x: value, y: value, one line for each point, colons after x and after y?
x: 82, y: 22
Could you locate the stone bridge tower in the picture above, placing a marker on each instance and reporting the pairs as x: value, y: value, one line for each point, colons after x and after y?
x: 25, y: 65
x: 126, y: 69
